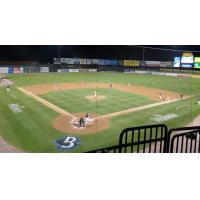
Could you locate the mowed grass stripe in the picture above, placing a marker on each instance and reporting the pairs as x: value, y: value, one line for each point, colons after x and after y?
x: 31, y: 130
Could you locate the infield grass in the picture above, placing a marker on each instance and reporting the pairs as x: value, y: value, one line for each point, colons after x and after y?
x: 74, y: 100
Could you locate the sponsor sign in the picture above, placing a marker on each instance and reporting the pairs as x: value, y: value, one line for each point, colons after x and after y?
x: 10, y: 70
x: 63, y: 70
x: 92, y: 70
x: 69, y: 61
x: 142, y: 63
x: 3, y: 70
x: 187, y: 54
x: 57, y: 61
x: 95, y: 61
x: 88, y: 61
x: 140, y: 72
x: 101, y: 62
x: 134, y: 63
x: 166, y: 64
x: 73, y: 70
x: 153, y: 63
x: 114, y: 62
x: 67, y: 143
x: 83, y: 61
x: 197, y: 59
x: 83, y: 70
x: 187, y: 60
x: 196, y: 65
x: 44, y: 69
x: 187, y: 65
x: 177, y: 61
x: 107, y: 62
x: 76, y: 61
x: 18, y: 70
x: 162, y: 118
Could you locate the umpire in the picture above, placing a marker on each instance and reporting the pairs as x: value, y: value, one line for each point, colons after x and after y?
x: 82, y: 122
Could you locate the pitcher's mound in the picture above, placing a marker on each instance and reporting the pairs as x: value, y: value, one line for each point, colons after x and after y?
x: 69, y: 125
x: 95, y: 98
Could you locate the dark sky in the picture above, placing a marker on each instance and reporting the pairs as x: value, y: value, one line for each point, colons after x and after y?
x: 46, y: 53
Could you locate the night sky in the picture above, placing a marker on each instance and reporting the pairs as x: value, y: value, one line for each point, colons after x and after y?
x: 46, y: 53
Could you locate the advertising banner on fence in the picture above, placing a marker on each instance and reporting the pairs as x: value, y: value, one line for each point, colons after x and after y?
x: 166, y: 64
x: 88, y: 61
x: 92, y: 70
x: 153, y: 63
x: 186, y: 65
x: 95, y: 61
x: 10, y: 70
x: 3, y: 70
x: 73, y: 70
x: 83, y: 70
x: 107, y: 62
x: 69, y: 61
x: 177, y: 61
x: 197, y: 62
x: 197, y: 59
x: 134, y: 63
x: 76, y: 61
x: 44, y: 69
x: 18, y: 70
x: 196, y: 65
x: 83, y: 61
x: 101, y: 62
x: 114, y: 62
x: 57, y: 61
x: 63, y: 70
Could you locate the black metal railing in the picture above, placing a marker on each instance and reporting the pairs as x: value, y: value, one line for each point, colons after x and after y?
x: 184, y: 140
x: 156, y: 139
x: 149, y: 138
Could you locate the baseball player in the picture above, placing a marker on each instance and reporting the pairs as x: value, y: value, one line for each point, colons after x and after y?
x: 160, y: 94
x: 167, y: 98
x: 81, y: 122
x: 8, y: 89
x: 181, y: 95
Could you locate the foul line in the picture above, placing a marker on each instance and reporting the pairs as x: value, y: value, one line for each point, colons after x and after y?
x: 46, y: 103
x: 123, y: 112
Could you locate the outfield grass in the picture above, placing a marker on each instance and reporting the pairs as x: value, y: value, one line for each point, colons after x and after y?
x: 32, y: 129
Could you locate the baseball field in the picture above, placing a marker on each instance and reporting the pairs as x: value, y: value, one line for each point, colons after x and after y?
x: 41, y: 108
